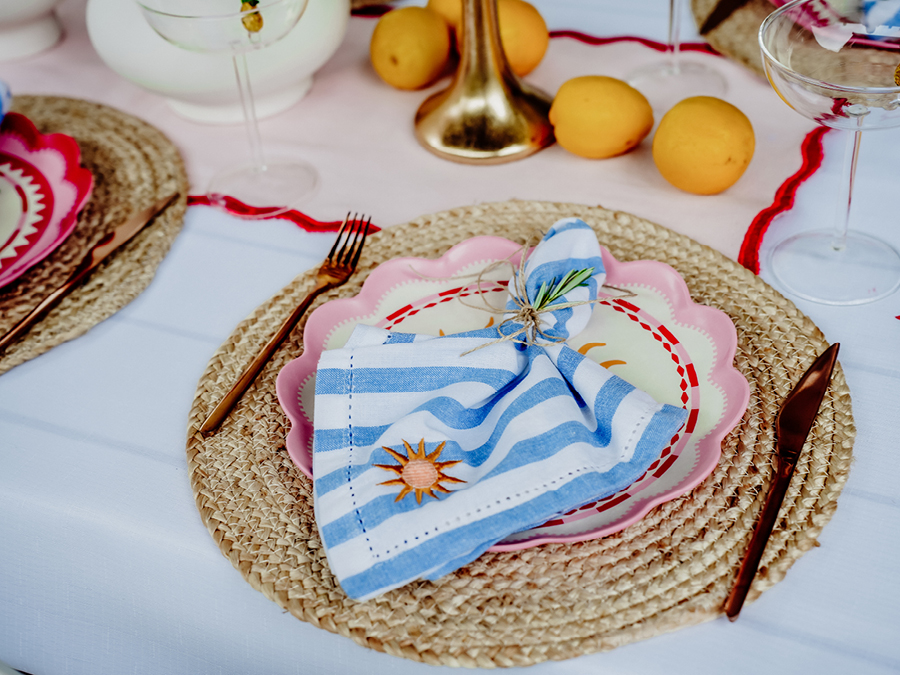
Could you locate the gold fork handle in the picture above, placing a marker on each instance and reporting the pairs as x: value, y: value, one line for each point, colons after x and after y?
x: 226, y: 405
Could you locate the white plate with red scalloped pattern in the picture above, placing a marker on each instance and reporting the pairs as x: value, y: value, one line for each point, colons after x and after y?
x: 658, y: 339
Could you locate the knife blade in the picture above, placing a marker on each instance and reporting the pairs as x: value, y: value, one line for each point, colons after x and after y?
x: 792, y: 426
x: 101, y: 250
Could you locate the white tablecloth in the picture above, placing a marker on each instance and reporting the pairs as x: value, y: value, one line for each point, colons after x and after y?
x: 105, y: 565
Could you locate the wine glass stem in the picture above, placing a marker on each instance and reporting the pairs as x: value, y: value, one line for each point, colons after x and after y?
x: 242, y: 74
x: 674, y: 32
x: 849, y: 178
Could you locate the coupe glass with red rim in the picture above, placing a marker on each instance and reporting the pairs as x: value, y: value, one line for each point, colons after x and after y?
x: 841, y: 69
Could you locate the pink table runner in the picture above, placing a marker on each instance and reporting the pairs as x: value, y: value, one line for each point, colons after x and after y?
x: 358, y: 132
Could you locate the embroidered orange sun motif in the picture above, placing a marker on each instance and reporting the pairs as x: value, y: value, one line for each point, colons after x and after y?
x: 418, y: 472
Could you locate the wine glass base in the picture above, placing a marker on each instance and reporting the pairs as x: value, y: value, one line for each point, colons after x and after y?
x: 277, y: 187
x: 808, y: 265
x: 668, y: 82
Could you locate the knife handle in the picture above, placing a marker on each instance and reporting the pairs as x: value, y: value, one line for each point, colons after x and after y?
x: 760, y: 538
x: 109, y: 243
x: 45, y: 306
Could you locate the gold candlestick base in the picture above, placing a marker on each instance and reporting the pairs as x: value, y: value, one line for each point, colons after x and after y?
x: 486, y: 116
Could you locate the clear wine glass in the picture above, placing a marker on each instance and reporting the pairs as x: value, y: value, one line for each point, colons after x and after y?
x: 667, y: 82
x: 843, y: 71
x: 235, y: 27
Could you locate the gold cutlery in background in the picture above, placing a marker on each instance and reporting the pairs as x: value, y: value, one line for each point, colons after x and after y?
x: 110, y: 242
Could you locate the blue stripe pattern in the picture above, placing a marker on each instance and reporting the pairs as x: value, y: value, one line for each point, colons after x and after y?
x: 514, y: 435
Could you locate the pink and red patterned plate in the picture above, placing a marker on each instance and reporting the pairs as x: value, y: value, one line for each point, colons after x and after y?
x: 42, y: 189
x: 659, y: 340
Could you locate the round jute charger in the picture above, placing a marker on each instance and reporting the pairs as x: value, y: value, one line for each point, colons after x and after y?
x: 133, y: 165
x: 737, y: 37
x: 672, y: 569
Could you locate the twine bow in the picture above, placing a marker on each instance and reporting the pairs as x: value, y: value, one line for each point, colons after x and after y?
x: 529, y: 312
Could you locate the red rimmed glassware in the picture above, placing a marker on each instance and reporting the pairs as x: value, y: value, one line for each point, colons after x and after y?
x: 838, y: 69
x: 235, y: 28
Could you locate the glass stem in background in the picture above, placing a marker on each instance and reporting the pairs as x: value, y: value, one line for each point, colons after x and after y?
x: 242, y: 74
x: 674, y: 41
x: 851, y: 156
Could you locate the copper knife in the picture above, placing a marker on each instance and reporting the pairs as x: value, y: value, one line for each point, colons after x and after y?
x: 792, y: 425
x: 110, y: 242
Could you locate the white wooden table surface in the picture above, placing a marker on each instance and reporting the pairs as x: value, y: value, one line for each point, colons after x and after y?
x: 105, y: 565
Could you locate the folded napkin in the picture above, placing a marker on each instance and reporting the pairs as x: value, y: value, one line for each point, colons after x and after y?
x: 5, y: 99
x: 428, y: 450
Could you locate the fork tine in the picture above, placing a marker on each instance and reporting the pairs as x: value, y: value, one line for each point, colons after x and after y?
x: 345, y: 255
x: 340, y: 233
x: 359, y: 222
x: 347, y: 245
x: 361, y: 242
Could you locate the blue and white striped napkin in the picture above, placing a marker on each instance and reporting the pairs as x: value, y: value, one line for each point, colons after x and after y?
x: 426, y: 453
x: 5, y: 99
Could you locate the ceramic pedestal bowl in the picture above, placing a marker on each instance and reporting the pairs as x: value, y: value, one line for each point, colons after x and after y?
x: 201, y: 86
x: 27, y: 27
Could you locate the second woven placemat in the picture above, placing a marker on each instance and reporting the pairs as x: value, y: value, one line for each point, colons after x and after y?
x: 133, y: 165
x: 672, y: 569
x: 737, y: 37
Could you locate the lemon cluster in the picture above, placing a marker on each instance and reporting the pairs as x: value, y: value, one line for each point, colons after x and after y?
x: 411, y: 46
x: 703, y: 144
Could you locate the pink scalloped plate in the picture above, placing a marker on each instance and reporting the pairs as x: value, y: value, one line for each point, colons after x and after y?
x: 42, y: 188
x: 659, y: 340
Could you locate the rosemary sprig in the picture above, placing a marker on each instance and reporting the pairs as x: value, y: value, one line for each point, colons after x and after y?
x: 553, y: 290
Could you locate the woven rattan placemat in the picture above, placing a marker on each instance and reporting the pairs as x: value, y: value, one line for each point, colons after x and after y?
x: 737, y: 37
x: 133, y: 165
x: 670, y: 570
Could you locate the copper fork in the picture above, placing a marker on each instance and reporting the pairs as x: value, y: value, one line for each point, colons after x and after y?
x: 335, y: 271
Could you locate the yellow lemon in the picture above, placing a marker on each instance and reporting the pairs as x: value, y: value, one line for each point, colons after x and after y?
x: 410, y: 47
x: 703, y: 145
x: 596, y: 116
x: 523, y: 31
x: 451, y: 10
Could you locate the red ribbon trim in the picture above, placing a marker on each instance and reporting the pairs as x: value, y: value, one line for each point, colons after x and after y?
x: 377, y: 11
x: 812, y: 153
x: 652, y: 44
x: 238, y: 208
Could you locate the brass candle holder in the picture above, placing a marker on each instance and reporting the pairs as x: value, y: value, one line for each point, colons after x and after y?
x: 486, y: 115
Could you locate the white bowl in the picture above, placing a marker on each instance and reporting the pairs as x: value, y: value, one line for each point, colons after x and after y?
x: 202, y: 87
x: 27, y: 27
